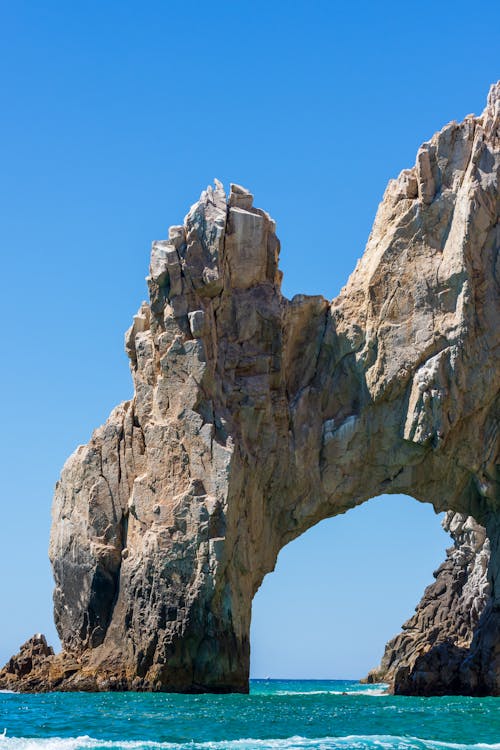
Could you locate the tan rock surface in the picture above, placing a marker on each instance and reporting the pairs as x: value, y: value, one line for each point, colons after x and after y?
x: 254, y: 417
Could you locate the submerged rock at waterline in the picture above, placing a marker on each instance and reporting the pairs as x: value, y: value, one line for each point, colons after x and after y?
x: 254, y: 417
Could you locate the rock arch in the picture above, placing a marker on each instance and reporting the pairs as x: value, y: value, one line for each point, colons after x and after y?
x: 255, y: 416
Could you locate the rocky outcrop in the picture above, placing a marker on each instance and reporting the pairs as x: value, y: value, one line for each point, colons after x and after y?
x: 254, y: 417
x: 430, y: 656
x: 32, y: 660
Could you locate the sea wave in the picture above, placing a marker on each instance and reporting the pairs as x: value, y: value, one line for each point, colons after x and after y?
x: 350, y: 742
x: 367, y: 691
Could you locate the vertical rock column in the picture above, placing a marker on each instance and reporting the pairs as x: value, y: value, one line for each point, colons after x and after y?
x: 150, y: 562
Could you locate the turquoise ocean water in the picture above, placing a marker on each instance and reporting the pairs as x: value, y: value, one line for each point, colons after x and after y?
x: 277, y: 714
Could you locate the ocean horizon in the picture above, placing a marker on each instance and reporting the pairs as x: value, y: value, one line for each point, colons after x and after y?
x: 277, y: 714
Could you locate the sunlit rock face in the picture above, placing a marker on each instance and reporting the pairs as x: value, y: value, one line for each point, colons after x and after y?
x: 254, y: 417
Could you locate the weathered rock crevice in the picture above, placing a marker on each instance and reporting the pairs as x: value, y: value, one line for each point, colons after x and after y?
x: 254, y: 417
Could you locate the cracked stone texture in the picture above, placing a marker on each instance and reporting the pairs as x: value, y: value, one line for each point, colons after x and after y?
x: 434, y: 647
x: 254, y: 417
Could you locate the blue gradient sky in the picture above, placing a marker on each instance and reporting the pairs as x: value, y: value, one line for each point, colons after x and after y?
x: 115, y: 115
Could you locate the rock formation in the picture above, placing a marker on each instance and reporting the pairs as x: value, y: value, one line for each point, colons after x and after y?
x: 30, y: 662
x: 254, y: 417
x: 432, y: 652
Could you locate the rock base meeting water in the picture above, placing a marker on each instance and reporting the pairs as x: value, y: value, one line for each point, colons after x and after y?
x: 276, y: 715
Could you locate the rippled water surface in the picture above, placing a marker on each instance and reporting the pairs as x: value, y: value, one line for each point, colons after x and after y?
x: 276, y: 714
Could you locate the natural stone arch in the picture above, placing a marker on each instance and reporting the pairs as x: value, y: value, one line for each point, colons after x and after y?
x: 254, y: 417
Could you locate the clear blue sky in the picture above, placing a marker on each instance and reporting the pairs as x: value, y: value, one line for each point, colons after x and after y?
x: 115, y: 115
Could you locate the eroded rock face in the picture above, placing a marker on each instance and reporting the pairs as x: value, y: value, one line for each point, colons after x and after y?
x: 30, y: 661
x: 431, y: 655
x: 254, y: 417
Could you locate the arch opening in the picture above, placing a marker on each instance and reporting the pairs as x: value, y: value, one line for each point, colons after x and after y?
x: 343, y: 589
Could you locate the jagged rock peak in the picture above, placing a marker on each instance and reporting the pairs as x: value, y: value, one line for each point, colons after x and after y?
x: 491, y: 114
x: 240, y: 197
x: 33, y: 657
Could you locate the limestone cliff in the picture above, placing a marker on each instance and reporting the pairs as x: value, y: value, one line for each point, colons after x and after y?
x: 254, y: 417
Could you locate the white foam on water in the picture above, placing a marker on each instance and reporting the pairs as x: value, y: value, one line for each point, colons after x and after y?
x: 368, y: 691
x: 351, y: 742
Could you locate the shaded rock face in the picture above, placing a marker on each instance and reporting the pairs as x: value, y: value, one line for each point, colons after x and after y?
x: 432, y: 654
x: 255, y: 417
x: 31, y: 660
